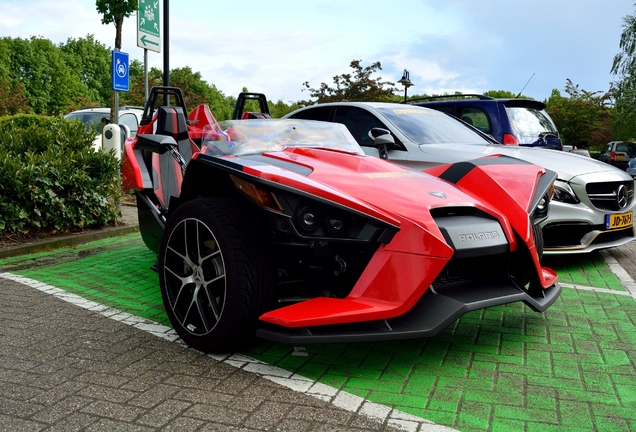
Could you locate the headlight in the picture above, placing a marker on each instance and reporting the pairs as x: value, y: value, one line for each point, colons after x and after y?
x: 307, y: 218
x: 564, y: 193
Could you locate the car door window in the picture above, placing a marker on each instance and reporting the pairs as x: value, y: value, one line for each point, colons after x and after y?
x: 129, y: 120
x: 313, y: 113
x: 476, y: 117
x: 359, y: 122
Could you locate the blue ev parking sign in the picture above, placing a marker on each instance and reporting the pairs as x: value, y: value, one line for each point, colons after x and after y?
x: 120, y: 71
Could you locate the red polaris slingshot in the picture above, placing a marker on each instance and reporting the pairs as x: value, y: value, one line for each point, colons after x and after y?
x: 286, y: 230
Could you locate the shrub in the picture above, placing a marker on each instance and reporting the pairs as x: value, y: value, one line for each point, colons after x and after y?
x: 51, y: 178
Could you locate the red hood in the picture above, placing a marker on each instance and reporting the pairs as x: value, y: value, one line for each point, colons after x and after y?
x: 386, y: 186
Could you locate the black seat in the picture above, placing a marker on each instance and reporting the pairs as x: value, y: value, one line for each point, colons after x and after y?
x: 166, y: 173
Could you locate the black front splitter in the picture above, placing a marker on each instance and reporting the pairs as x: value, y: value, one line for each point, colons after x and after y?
x: 435, y: 311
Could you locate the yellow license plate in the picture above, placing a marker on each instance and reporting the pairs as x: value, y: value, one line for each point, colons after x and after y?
x: 620, y: 157
x: 618, y: 220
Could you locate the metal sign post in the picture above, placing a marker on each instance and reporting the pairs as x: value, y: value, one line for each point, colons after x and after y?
x: 121, y: 78
x: 148, y: 32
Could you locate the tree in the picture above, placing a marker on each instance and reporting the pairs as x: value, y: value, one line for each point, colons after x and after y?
x: 359, y: 87
x: 115, y: 11
x: 39, y: 68
x: 136, y: 96
x: 12, y: 97
x: 89, y: 61
x: 624, y: 89
x: 583, y: 118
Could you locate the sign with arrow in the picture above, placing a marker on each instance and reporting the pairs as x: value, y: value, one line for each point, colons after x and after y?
x: 148, y: 25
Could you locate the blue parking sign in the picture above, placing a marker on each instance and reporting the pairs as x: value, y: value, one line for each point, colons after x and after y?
x: 120, y: 71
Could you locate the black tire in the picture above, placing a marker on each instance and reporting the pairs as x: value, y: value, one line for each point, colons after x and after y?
x: 214, y: 274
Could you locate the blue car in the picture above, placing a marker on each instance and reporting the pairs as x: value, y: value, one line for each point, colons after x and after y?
x: 631, y: 167
x: 509, y: 121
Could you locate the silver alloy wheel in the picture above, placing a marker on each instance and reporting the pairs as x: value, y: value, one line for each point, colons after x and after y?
x: 195, y: 275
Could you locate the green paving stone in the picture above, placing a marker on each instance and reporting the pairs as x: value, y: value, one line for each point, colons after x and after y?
x: 510, y: 382
x: 439, y: 417
x: 626, y: 393
x: 483, y: 371
x: 435, y: 348
x: 419, y: 382
x: 512, y: 348
x: 588, y: 348
x: 313, y: 370
x: 360, y: 392
x: 507, y: 425
x: 540, y: 360
x: 613, y: 424
x: 401, y: 400
x: 615, y: 357
x: 374, y: 384
x: 354, y: 372
x: 445, y: 400
x: 292, y: 362
x: 547, y: 381
x: 526, y: 414
x: 488, y: 341
x: 334, y: 360
x: 523, y: 370
x: 583, y: 395
x: 564, y: 368
x: 357, y: 351
x: 335, y: 381
x: 456, y: 358
x: 514, y: 359
x: 376, y: 360
x: 538, y: 426
x: 612, y: 411
x: 396, y: 372
x: 540, y: 402
x: 467, y: 328
x: 511, y: 398
x: 474, y: 416
x: 627, y: 371
x: 598, y: 382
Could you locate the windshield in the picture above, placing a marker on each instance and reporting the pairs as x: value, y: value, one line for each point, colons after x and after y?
x: 91, y: 119
x: 427, y: 126
x: 241, y: 137
x: 530, y: 123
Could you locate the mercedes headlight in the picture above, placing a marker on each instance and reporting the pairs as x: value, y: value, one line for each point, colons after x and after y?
x: 564, y: 193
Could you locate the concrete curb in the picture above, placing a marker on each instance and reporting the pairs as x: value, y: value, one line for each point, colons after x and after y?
x: 66, y: 241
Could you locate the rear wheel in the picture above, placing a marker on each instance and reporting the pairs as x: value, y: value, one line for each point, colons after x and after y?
x: 214, y: 274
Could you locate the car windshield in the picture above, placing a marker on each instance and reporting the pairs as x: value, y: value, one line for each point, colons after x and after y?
x: 241, y: 137
x: 530, y: 123
x: 91, y: 119
x: 427, y: 126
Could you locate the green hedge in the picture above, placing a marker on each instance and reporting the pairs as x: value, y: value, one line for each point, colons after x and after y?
x: 51, y: 178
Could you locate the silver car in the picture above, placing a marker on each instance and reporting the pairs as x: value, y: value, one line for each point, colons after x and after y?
x: 593, y: 203
x: 97, y: 117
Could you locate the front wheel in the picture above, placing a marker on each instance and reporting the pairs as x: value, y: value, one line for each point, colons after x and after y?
x: 214, y: 274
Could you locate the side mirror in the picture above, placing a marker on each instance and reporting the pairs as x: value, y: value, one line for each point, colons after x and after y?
x: 382, y: 138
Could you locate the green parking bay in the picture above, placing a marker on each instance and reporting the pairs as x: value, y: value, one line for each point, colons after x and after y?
x: 505, y: 368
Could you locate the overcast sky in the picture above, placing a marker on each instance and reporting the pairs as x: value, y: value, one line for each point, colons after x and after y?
x: 446, y: 45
